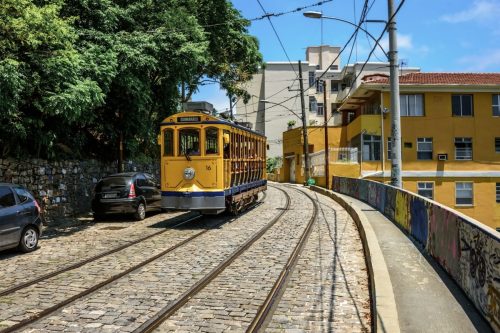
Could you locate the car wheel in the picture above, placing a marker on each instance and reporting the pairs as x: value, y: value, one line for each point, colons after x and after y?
x: 140, y: 212
x: 29, y: 239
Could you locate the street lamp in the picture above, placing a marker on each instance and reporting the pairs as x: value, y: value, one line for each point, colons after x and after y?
x: 304, y: 134
x: 319, y: 15
x: 396, y: 162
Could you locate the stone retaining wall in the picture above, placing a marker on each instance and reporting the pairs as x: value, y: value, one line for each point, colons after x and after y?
x: 467, y: 249
x: 63, y: 188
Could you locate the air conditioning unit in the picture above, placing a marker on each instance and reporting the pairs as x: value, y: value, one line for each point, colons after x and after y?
x: 443, y: 157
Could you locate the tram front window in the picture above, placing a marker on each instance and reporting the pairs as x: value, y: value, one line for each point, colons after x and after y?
x: 211, y: 140
x: 168, y: 142
x: 189, y: 142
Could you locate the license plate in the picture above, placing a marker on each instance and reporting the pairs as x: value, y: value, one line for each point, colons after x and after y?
x: 109, y: 195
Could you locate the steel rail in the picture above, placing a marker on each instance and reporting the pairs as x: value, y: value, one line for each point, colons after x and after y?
x: 155, y: 321
x: 94, y: 288
x: 267, y: 308
x: 91, y: 259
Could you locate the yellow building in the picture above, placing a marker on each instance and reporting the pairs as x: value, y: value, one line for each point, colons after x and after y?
x: 450, y: 125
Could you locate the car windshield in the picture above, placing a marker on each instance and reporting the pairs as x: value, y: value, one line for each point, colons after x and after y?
x: 113, y: 182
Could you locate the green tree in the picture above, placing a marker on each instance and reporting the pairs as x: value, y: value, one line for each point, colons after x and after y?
x: 42, y: 79
x: 83, y: 78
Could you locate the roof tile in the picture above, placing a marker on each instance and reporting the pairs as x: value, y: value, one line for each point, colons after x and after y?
x: 444, y: 79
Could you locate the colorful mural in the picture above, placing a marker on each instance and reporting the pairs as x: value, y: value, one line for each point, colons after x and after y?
x: 469, y: 252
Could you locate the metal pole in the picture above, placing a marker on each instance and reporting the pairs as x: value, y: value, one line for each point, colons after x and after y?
x: 304, y: 125
x: 396, y: 179
x: 231, y: 105
x: 327, y: 151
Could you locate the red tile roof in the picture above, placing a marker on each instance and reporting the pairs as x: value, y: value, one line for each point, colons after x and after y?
x: 444, y: 79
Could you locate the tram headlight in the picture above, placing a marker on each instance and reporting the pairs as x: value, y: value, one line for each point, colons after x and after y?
x: 189, y: 173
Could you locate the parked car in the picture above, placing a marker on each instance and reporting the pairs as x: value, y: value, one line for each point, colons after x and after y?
x: 20, y: 218
x: 131, y: 192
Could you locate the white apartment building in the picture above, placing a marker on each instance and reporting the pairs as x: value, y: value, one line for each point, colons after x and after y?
x: 275, y: 98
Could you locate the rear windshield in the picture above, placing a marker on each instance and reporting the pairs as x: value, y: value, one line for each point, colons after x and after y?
x: 23, y: 194
x: 113, y: 182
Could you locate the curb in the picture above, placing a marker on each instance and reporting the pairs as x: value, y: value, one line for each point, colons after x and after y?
x: 383, y: 303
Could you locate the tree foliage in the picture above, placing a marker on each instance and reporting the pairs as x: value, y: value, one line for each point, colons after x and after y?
x: 79, y: 78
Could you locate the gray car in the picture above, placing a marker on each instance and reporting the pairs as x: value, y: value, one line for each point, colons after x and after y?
x: 20, y: 218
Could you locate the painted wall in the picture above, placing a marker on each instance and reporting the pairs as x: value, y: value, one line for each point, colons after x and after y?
x: 465, y: 248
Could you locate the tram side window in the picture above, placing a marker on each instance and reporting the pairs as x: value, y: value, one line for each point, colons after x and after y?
x: 168, y: 142
x: 211, y: 143
x: 189, y: 142
x: 227, y: 137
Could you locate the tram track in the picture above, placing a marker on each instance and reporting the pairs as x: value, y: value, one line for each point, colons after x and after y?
x: 266, y: 310
x: 44, y: 313
x: 79, y: 264
x: 154, y: 322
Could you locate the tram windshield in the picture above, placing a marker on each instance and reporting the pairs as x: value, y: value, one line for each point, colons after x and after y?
x: 211, y: 141
x: 189, y: 142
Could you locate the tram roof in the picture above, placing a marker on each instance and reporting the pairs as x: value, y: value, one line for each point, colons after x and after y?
x: 209, y: 119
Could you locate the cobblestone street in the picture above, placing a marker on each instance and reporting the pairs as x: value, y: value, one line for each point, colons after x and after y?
x: 327, y: 290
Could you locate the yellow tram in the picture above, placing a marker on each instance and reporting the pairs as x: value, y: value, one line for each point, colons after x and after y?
x: 210, y: 165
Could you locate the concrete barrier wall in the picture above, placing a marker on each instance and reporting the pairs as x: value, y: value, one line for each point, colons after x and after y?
x: 467, y: 249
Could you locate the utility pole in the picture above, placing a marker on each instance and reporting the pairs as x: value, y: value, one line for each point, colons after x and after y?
x: 231, y: 105
x: 304, y: 125
x: 396, y: 179
x: 327, y: 150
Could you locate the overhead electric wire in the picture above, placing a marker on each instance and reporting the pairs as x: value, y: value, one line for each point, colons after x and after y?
x: 277, y: 36
x: 375, y: 46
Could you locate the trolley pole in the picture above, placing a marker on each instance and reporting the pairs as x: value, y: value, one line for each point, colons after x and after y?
x: 396, y: 179
x: 327, y: 151
x: 304, y: 125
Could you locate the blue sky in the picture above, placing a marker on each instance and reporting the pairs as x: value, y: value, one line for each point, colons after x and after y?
x: 435, y: 35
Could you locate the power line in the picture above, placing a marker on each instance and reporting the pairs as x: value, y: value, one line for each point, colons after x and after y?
x: 277, y: 36
x: 298, y: 9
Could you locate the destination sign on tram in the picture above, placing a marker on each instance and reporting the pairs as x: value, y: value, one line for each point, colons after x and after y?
x: 188, y: 119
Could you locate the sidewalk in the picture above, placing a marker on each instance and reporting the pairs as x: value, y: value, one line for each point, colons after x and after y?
x: 426, y: 298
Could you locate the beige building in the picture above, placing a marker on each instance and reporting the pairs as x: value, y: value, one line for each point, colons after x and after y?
x: 275, y: 106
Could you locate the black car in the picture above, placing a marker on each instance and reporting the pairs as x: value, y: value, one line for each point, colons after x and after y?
x: 20, y: 218
x: 130, y: 192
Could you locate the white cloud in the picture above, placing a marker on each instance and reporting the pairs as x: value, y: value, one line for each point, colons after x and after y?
x: 481, y: 10
x: 487, y: 61
x: 404, y: 42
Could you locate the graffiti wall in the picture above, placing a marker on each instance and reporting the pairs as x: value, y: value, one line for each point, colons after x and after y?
x: 466, y: 249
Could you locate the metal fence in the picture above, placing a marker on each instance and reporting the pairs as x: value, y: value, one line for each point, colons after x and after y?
x: 345, y: 155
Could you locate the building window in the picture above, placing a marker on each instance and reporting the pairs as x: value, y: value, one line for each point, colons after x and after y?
x: 312, y: 79
x: 463, y: 149
x: 461, y: 105
x: 412, y: 105
x: 371, y: 147
x: 319, y: 86
x: 495, y: 104
x: 498, y: 192
x: 497, y: 145
x: 334, y: 67
x: 389, y: 149
x: 424, y: 148
x: 319, y: 110
x: 426, y: 189
x: 463, y: 193
x: 351, y: 116
x: 334, y: 86
x: 312, y: 104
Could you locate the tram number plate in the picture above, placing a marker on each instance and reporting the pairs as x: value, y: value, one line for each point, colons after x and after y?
x: 109, y: 195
